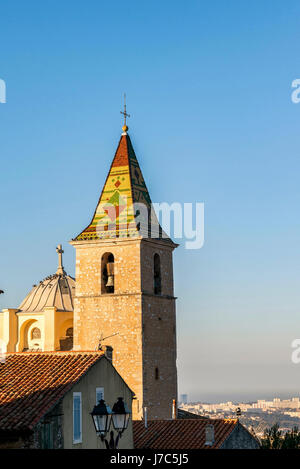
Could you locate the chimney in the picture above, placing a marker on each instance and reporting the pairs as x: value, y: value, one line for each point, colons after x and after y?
x: 146, y: 417
x: 174, y: 409
x: 209, y: 435
x: 108, y: 350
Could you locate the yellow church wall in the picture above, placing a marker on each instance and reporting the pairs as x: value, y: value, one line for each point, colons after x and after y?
x: 64, y: 320
x: 56, y: 325
x: 16, y: 329
x: 51, y: 339
x: 52, y: 324
x: 9, y: 329
x: 26, y: 323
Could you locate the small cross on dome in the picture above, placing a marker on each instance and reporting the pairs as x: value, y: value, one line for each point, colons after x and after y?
x: 60, y: 251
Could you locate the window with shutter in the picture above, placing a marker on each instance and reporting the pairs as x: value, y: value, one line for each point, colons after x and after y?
x: 77, y: 418
x: 47, y: 436
x: 99, y: 394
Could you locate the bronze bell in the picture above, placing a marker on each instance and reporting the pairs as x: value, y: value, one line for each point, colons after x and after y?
x: 110, y: 274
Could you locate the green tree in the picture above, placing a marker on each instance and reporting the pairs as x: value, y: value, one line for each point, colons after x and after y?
x: 291, y: 439
x: 274, y: 438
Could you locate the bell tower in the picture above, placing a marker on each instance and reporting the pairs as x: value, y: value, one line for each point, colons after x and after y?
x: 124, y: 287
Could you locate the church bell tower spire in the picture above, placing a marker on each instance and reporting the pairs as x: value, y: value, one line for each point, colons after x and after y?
x: 124, y: 287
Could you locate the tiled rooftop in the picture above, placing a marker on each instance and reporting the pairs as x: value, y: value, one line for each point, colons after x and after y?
x: 31, y: 384
x: 184, y: 414
x: 180, y: 433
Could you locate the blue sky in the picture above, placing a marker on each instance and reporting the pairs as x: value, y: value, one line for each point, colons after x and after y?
x: 209, y: 90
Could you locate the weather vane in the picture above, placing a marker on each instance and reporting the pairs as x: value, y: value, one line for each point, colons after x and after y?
x: 125, y: 128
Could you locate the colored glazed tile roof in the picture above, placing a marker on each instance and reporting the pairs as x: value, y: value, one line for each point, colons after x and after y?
x: 31, y: 384
x: 180, y: 433
x: 125, y: 204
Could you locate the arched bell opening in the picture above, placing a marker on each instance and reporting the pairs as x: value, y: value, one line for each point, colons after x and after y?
x: 157, y: 275
x: 107, y: 273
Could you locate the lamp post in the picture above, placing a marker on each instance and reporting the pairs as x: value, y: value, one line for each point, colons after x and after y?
x: 102, y: 416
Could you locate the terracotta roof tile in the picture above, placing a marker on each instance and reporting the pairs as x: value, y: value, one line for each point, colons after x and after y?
x: 180, y: 433
x: 184, y: 414
x: 31, y: 383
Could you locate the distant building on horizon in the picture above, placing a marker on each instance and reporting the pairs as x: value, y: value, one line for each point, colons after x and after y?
x: 183, y: 398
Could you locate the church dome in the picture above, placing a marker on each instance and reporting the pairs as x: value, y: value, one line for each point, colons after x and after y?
x: 56, y: 290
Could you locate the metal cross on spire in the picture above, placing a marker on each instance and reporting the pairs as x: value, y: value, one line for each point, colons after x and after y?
x: 125, y: 128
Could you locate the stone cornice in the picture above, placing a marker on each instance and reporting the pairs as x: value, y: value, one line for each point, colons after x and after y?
x: 113, y: 295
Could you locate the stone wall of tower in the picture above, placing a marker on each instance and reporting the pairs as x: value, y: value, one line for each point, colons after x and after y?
x: 159, y: 331
x: 159, y: 356
x: 144, y: 324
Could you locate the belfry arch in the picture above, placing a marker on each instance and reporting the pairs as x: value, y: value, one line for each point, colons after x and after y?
x: 107, y: 273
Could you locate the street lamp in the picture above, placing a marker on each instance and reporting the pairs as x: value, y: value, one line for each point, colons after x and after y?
x: 102, y: 416
x: 120, y: 415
